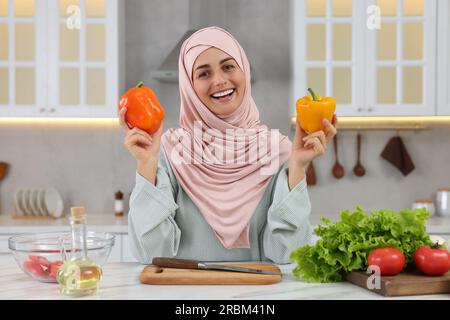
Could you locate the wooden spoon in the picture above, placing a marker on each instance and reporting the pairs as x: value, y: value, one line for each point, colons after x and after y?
x: 359, y: 169
x: 311, y: 175
x: 338, y: 170
x: 3, y: 170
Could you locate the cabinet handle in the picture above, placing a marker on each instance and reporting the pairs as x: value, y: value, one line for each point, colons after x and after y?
x: 52, y: 110
x: 42, y: 110
x: 370, y: 109
x: 360, y: 109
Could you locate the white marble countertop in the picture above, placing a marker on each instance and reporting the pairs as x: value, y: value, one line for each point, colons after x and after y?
x: 121, y: 281
x: 111, y: 223
x: 96, y: 222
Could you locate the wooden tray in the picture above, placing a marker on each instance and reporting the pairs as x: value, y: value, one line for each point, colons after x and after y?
x: 157, y: 275
x: 404, y: 284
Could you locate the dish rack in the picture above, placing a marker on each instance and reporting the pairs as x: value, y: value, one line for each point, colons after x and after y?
x: 38, y: 204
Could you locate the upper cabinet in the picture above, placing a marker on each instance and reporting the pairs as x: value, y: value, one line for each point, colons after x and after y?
x: 443, y: 55
x: 59, y: 58
x: 376, y: 57
x: 22, y: 57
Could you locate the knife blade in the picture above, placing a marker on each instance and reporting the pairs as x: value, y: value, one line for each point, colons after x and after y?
x: 194, y: 264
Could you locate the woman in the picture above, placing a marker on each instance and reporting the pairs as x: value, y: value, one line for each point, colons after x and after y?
x: 222, y: 187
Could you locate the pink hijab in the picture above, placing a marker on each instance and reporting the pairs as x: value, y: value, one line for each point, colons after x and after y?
x: 227, y: 192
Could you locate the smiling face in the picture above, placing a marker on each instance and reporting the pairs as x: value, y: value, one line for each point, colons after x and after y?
x: 218, y: 81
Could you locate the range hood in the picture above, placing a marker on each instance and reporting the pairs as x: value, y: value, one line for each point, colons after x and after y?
x: 168, y: 71
x: 201, y: 14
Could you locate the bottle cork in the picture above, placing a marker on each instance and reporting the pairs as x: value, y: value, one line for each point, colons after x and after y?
x: 77, y: 213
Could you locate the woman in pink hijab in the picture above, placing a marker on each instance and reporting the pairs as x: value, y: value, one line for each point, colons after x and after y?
x: 223, y: 187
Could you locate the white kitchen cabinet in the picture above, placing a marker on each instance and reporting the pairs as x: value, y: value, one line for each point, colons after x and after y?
x: 5, y: 254
x: 116, y: 251
x: 314, y: 239
x: 385, y: 69
x: 443, y: 54
x: 4, y: 243
x: 60, y: 58
x: 446, y: 236
x: 6, y: 258
x: 127, y: 256
x: 22, y: 57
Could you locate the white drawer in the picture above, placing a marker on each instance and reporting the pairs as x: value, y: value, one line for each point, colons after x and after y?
x: 443, y: 235
x: 127, y: 256
x: 6, y: 258
x: 4, y: 244
x: 116, y: 251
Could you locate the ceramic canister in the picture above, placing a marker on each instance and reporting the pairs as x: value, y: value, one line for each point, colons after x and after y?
x: 424, y: 203
x: 443, y: 202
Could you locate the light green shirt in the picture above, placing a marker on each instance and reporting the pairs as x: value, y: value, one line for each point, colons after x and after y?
x: 164, y: 222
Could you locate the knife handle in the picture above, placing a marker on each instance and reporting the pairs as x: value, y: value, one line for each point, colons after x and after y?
x: 175, y: 263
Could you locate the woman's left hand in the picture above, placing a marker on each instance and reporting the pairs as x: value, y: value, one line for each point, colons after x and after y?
x: 307, y: 147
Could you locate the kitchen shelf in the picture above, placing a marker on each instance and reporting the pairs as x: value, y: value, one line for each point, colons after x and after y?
x: 390, y: 123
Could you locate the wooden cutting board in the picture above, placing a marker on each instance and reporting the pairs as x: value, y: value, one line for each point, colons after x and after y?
x: 403, y: 284
x: 157, y: 275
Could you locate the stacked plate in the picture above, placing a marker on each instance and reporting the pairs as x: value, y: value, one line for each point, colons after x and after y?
x: 39, y: 202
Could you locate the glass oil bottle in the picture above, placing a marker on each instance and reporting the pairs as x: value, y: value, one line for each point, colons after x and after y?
x: 79, y: 275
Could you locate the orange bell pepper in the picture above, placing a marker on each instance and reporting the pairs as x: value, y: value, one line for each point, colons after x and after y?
x: 311, y: 110
x: 143, y: 108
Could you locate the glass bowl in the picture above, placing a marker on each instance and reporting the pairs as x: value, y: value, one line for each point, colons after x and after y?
x: 40, y: 255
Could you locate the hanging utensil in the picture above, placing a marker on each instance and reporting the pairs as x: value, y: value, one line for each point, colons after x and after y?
x: 338, y: 170
x: 3, y: 169
x: 359, y: 170
x: 311, y: 175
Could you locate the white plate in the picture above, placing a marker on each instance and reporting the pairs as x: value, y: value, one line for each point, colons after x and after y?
x: 32, y: 201
x: 54, y: 202
x: 17, y: 202
x: 41, y: 203
x: 24, y: 202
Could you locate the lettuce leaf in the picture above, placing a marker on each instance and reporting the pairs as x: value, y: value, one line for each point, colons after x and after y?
x: 345, y: 245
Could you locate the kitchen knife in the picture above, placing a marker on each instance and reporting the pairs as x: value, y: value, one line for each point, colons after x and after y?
x: 193, y: 264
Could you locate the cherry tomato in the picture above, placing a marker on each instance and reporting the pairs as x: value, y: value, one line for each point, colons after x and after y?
x: 54, y: 266
x: 35, y: 268
x: 391, y: 261
x: 40, y: 260
x: 432, y: 261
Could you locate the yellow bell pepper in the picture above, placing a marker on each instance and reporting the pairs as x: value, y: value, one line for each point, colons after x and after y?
x: 311, y: 110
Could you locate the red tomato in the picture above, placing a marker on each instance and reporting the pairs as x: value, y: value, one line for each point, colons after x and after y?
x: 432, y: 262
x: 54, y: 266
x: 35, y: 268
x: 40, y: 260
x: 391, y: 261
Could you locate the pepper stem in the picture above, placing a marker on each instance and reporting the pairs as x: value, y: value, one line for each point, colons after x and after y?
x: 140, y: 84
x: 313, y: 95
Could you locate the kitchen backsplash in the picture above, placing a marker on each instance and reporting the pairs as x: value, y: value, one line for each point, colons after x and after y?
x: 88, y: 163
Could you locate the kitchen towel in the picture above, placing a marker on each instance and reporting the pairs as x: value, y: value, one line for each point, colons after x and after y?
x: 396, y: 154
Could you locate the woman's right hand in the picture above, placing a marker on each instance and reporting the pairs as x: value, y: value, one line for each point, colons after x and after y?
x: 143, y: 146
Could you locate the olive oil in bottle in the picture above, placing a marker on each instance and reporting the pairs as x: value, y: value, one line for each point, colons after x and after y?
x: 79, y: 275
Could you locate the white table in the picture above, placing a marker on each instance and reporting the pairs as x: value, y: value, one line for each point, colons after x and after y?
x: 121, y: 281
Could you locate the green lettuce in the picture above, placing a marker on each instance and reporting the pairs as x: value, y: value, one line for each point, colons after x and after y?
x: 345, y: 245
